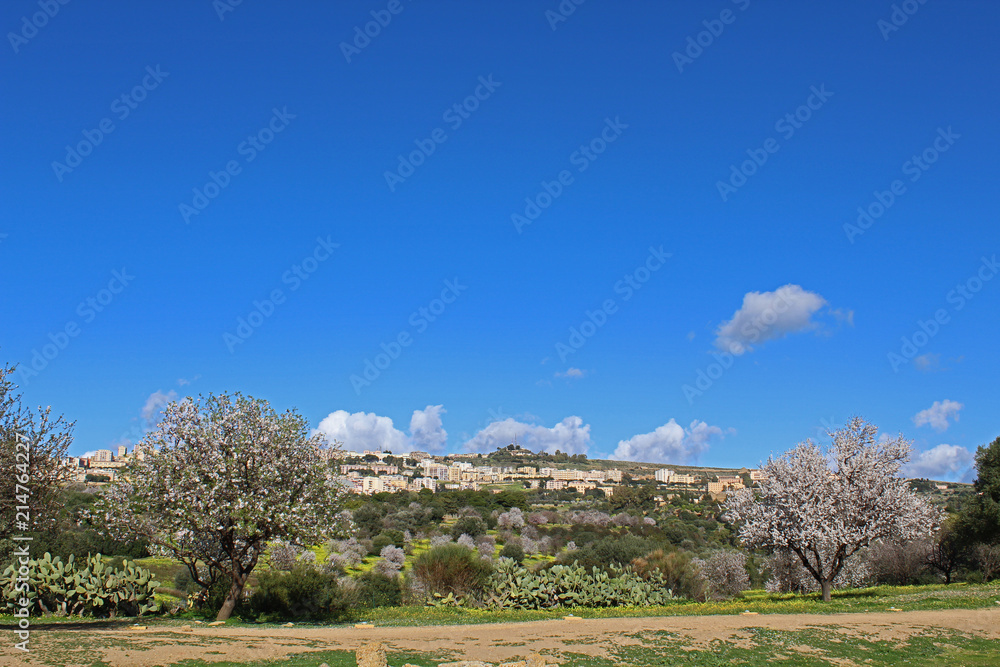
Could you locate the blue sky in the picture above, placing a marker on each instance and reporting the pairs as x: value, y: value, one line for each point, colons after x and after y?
x: 477, y: 181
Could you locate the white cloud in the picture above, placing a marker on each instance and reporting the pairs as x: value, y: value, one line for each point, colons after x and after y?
x: 937, y: 415
x: 770, y: 315
x: 570, y: 435
x: 944, y: 462
x: 359, y: 431
x: 571, y: 373
x: 927, y: 362
x: 155, y: 404
x: 670, y: 443
x: 364, y: 430
x: 427, y: 431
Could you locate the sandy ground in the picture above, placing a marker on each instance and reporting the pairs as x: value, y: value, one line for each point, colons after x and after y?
x: 128, y: 647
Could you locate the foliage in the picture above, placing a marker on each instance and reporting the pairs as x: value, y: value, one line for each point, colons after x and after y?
x: 899, y: 563
x: 473, y: 526
x: 221, y: 478
x: 678, y: 570
x: 512, y: 519
x: 987, y: 556
x: 32, y: 446
x: 451, y: 569
x: 514, y: 587
x: 90, y: 588
x: 512, y: 551
x: 305, y: 592
x: 391, y: 561
x: 726, y: 574
x: 379, y: 590
x: 826, y: 515
x: 611, y: 550
x: 282, y: 555
x: 979, y: 519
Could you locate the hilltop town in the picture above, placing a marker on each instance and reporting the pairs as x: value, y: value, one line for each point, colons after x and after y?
x: 374, y: 471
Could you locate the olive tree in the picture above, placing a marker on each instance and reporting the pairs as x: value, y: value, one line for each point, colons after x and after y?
x: 219, y: 479
x: 824, y: 506
x: 33, y: 444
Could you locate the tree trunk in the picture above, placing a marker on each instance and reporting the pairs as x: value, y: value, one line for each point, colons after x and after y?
x: 235, y: 592
x: 826, y: 586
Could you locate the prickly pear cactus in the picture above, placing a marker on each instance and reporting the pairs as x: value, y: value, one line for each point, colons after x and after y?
x: 91, y: 588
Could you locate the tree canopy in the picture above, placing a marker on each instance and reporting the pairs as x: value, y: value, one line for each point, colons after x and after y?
x: 32, y: 446
x: 979, y: 520
x: 219, y: 478
x: 825, y: 506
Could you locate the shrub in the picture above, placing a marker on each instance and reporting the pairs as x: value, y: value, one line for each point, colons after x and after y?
x: 302, y: 593
x: 379, y: 590
x: 620, y: 549
x: 451, y: 568
x: 987, y: 557
x: 678, y: 570
x: 898, y: 563
x: 282, y: 555
x: 726, y: 573
x: 512, y: 519
x: 513, y: 551
x: 391, y: 561
x: 473, y: 526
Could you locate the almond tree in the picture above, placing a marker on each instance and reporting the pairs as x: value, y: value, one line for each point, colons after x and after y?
x: 825, y: 506
x: 220, y: 478
x: 32, y: 446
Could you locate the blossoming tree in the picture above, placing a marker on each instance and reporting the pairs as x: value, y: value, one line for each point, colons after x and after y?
x: 220, y: 478
x: 32, y: 472
x: 825, y: 506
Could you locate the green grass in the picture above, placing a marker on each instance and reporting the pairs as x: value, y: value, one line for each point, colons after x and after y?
x: 876, y: 599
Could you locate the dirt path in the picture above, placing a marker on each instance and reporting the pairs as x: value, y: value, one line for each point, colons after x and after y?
x: 130, y: 647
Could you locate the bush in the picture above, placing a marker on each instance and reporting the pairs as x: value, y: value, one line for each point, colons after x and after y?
x: 282, y: 556
x: 302, y: 593
x: 678, y: 570
x: 387, y: 538
x: 898, y: 563
x: 379, y: 590
x: 512, y: 551
x: 726, y: 573
x: 452, y: 568
x: 473, y: 526
x: 620, y: 549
